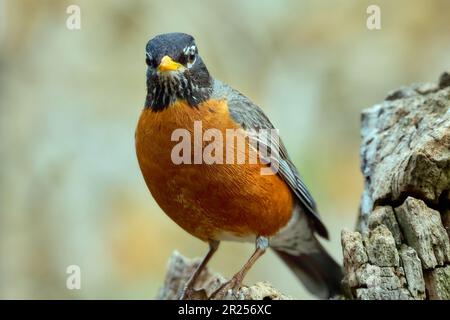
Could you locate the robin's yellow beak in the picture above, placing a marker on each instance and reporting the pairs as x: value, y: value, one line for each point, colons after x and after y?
x: 167, y: 64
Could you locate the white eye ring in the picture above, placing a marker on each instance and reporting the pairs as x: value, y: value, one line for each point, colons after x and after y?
x: 190, y: 51
x: 190, y: 64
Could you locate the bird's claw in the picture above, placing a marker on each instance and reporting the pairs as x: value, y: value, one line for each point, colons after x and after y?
x: 234, y: 285
x: 193, y: 294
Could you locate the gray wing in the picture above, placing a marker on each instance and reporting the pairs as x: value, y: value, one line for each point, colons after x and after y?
x: 251, y: 117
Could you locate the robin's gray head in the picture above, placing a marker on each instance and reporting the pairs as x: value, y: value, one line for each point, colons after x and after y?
x: 175, y: 71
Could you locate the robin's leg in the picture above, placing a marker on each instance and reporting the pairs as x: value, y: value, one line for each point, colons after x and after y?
x: 262, y: 243
x: 189, y: 292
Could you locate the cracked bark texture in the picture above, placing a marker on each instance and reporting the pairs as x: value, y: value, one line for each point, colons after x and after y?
x: 401, y: 247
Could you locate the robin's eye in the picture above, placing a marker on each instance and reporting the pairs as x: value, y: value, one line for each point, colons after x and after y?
x: 191, y: 59
x: 191, y: 55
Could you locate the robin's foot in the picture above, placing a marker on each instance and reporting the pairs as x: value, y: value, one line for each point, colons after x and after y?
x: 193, y: 294
x: 234, y: 284
x: 262, y: 243
x: 189, y: 293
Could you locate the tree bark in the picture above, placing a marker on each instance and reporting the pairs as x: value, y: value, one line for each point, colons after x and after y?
x: 401, y: 248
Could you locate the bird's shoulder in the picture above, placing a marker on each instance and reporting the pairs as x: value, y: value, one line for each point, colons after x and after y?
x: 251, y: 117
x: 241, y: 109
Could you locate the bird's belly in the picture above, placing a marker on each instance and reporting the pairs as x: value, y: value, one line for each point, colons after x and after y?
x: 210, y: 201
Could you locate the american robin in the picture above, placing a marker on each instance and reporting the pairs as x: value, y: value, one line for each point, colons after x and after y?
x: 225, y: 201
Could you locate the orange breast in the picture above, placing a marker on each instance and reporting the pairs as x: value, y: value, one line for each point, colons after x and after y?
x: 208, y: 200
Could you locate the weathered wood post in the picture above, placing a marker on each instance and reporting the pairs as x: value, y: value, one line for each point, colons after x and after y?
x: 401, y: 247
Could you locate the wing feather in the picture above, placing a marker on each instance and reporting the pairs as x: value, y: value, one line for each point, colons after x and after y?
x: 252, y: 118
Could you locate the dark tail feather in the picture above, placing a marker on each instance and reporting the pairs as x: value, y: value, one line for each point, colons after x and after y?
x: 318, y: 271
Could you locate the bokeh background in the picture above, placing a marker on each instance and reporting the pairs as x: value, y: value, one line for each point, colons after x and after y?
x: 70, y: 188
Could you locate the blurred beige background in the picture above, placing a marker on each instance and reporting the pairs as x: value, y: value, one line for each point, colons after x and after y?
x: 70, y: 188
